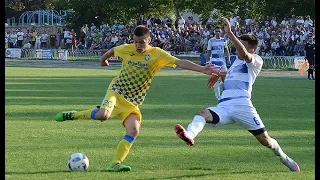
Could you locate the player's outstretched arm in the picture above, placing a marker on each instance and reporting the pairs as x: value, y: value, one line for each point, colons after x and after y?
x: 209, y: 69
x: 241, y: 49
x: 104, y: 58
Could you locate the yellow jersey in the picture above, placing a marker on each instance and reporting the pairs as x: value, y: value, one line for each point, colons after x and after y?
x: 138, y: 70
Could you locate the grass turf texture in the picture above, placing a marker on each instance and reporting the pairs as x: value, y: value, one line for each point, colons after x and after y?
x: 37, y: 147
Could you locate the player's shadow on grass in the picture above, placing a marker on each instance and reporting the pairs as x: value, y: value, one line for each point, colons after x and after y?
x: 49, y: 172
x: 201, y: 175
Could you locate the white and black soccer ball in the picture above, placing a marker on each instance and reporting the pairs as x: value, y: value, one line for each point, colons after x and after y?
x: 78, y: 162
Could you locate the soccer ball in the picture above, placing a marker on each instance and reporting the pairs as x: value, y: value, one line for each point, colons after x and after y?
x: 78, y: 162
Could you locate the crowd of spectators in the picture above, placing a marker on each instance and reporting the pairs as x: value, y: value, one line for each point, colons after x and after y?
x: 277, y: 37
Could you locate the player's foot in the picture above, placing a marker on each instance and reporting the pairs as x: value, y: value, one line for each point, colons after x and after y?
x: 118, y: 168
x: 290, y: 163
x: 183, y: 134
x: 67, y: 115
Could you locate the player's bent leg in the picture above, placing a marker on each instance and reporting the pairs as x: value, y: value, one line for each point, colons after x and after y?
x: 132, y: 125
x: 196, y: 126
x: 102, y: 114
x: 263, y: 137
x: 76, y: 115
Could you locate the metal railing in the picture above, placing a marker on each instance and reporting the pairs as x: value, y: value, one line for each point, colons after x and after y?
x: 270, y: 62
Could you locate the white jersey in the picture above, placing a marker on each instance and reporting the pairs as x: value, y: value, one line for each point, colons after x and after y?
x: 216, y: 46
x: 240, y: 78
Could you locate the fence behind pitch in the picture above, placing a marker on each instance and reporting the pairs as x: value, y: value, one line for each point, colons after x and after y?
x: 270, y: 62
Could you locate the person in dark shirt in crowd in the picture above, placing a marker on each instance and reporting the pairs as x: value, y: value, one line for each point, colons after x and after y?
x: 309, y: 54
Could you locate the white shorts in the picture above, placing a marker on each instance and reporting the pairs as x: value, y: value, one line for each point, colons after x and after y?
x: 238, y: 111
x: 220, y: 63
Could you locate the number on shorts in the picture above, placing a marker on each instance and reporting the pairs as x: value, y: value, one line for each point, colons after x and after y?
x: 256, y: 120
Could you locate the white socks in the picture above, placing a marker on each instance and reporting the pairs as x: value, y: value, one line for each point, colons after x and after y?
x: 196, y: 125
x: 277, y: 149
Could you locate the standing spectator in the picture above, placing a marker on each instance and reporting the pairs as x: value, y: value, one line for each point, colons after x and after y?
x: 181, y: 22
x: 85, y: 28
x: 261, y: 45
x: 308, y: 22
x: 6, y: 41
x: 44, y: 39
x: 53, y: 40
x: 93, y: 27
x: 299, y: 47
x: 82, y: 37
x: 114, y: 39
x: 285, y: 22
x: 27, y: 37
x: 309, y: 54
x: 274, y: 21
x: 12, y: 39
x: 37, y: 44
x: 73, y: 38
x: 293, y: 20
x: 33, y: 38
x: 59, y: 38
x: 275, y: 47
x: 66, y: 35
x: 20, y: 36
x: 300, y: 20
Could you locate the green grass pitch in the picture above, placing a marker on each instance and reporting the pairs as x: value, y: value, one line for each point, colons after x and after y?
x: 37, y: 147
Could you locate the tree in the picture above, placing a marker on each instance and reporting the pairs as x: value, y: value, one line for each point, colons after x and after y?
x: 85, y: 11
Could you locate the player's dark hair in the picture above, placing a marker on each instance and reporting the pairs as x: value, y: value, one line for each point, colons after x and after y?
x: 141, y: 30
x: 251, y: 39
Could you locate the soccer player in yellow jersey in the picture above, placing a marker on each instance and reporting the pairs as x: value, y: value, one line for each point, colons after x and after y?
x: 127, y: 91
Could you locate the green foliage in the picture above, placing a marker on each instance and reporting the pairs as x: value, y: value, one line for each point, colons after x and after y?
x: 37, y: 147
x: 112, y: 11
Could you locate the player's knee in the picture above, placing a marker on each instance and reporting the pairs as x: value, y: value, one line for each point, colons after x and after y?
x: 102, y: 114
x: 134, y: 132
x: 210, y: 116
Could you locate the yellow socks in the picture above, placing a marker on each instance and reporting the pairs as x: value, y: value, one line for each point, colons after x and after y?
x: 86, y: 114
x: 123, y: 149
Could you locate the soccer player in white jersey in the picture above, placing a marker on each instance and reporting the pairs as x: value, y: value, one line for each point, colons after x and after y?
x: 217, y: 49
x: 235, y: 105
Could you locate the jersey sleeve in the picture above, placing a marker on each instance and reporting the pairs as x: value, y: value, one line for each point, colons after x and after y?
x: 256, y: 62
x: 166, y: 59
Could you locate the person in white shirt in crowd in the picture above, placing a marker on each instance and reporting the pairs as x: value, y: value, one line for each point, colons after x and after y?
x: 274, y: 22
x: 12, y: 38
x: 20, y: 37
x: 261, y: 45
x: 37, y: 44
x: 293, y: 20
x: 206, y: 32
x: 308, y: 22
x: 285, y: 22
x: 114, y: 39
x: 181, y: 22
x: 300, y: 20
x: 275, y: 47
x: 44, y: 39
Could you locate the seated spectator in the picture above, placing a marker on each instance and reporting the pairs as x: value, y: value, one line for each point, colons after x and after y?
x: 299, y: 47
